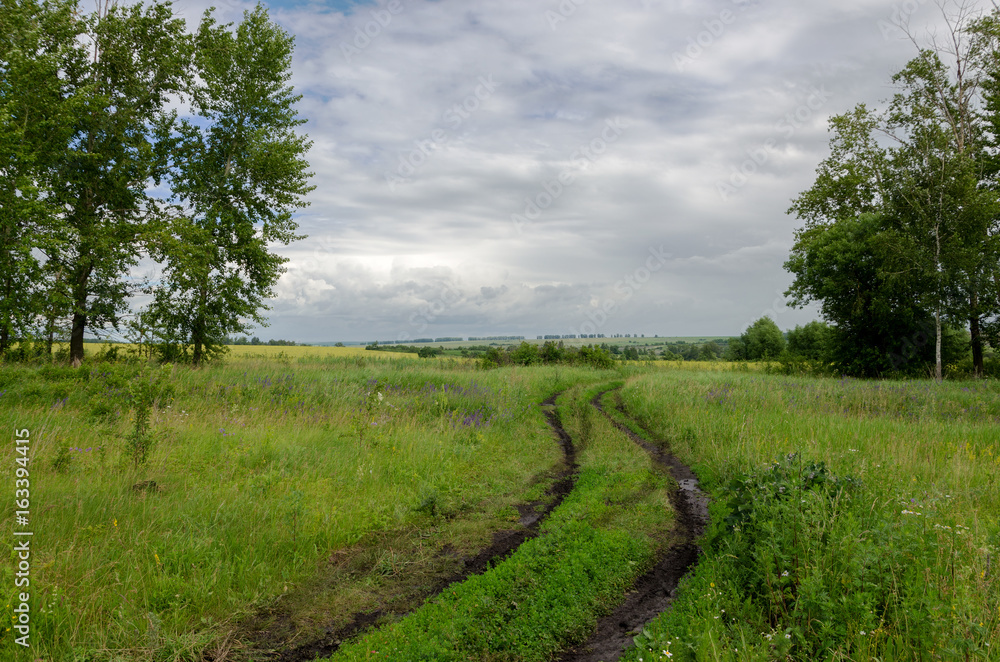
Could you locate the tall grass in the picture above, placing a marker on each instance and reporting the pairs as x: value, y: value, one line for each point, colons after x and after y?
x: 901, y: 566
x: 550, y: 592
x: 261, y: 469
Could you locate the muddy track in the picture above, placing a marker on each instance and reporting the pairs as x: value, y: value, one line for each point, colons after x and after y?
x: 653, y: 592
x: 504, y: 544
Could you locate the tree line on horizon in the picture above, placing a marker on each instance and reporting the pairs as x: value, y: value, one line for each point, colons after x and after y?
x: 100, y: 171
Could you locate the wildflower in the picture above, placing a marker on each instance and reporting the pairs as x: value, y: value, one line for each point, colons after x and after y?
x: 784, y: 574
x: 862, y: 633
x: 788, y: 636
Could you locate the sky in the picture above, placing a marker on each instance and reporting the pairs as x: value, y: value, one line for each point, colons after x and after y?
x: 529, y: 167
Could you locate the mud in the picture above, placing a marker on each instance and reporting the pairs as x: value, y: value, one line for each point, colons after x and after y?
x: 654, y: 592
x: 266, y: 646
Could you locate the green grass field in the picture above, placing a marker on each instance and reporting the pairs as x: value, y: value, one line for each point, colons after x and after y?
x: 291, y: 487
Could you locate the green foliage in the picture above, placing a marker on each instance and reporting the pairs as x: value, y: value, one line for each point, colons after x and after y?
x: 901, y: 240
x: 761, y: 341
x: 548, y: 594
x: 239, y: 173
x: 875, y: 549
x: 370, y: 414
x: 811, y: 341
x: 144, y: 390
x: 85, y: 126
x: 851, y: 268
x: 550, y: 353
x: 34, y: 123
x: 797, y: 568
x: 63, y: 460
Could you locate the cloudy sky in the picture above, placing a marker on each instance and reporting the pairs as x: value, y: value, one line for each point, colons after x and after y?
x: 530, y: 167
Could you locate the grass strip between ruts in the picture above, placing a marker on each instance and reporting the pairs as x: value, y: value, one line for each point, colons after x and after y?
x: 550, y: 592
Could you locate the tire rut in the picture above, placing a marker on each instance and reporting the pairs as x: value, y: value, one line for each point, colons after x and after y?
x: 504, y: 544
x: 654, y: 592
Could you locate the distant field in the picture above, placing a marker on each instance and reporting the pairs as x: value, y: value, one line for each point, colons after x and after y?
x: 577, y: 342
x: 296, y: 352
x: 265, y: 351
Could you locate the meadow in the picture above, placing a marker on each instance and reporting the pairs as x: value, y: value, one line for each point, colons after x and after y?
x: 249, y: 508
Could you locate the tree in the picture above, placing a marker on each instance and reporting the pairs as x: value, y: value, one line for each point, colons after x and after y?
x: 124, y: 64
x: 709, y: 352
x: 34, y: 121
x: 239, y: 173
x: 811, y: 341
x: 853, y: 269
x: 938, y: 199
x: 919, y: 206
x: 763, y: 340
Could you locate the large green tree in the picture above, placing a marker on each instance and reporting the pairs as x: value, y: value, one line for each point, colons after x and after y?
x: 88, y: 141
x: 238, y: 172
x: 35, y: 39
x: 761, y: 341
x: 919, y: 171
x: 127, y: 64
x: 853, y: 269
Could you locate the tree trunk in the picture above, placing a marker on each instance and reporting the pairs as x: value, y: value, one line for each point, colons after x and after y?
x: 977, y: 347
x: 76, y: 339
x: 198, y: 328
x: 937, y: 345
x: 80, y: 280
x: 937, y: 312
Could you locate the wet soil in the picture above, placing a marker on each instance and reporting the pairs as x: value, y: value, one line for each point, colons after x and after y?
x: 269, y: 635
x: 652, y: 593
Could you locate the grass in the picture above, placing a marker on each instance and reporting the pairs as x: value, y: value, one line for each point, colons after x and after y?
x: 550, y: 592
x: 894, y: 559
x: 291, y: 487
x: 262, y: 470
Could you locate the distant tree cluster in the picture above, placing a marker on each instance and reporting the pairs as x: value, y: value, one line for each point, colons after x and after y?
x: 901, y: 243
x: 548, y: 353
x: 271, y: 343
x: 100, y: 172
x: 424, y: 352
